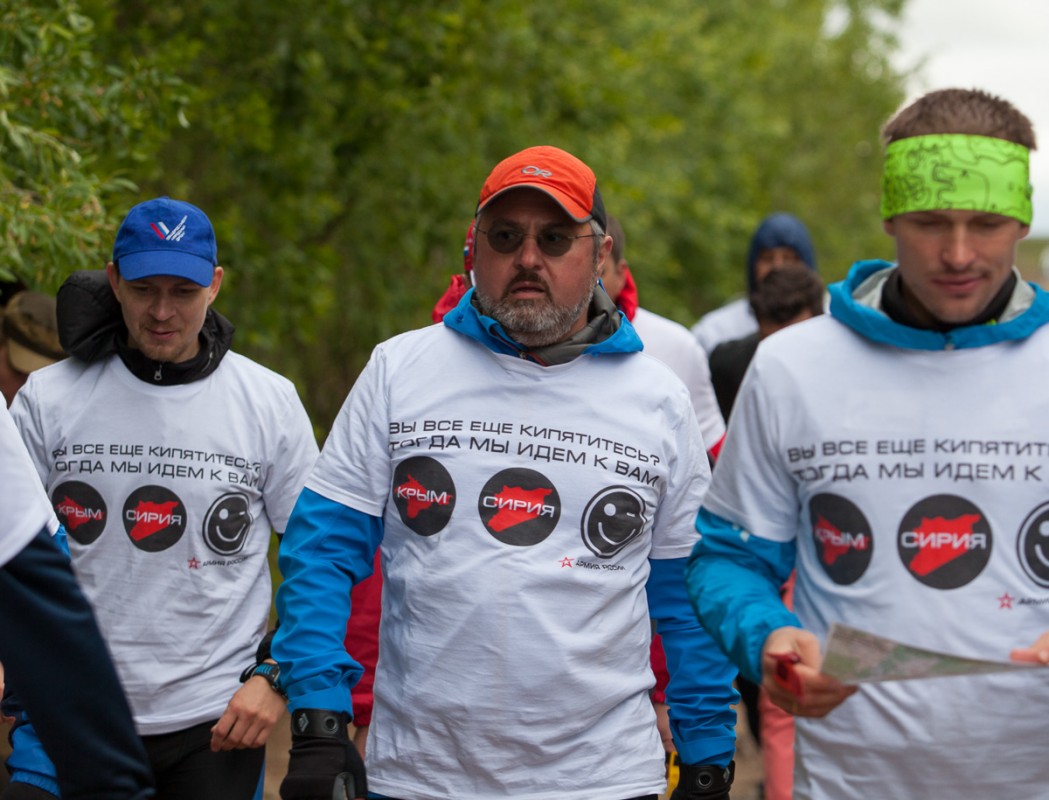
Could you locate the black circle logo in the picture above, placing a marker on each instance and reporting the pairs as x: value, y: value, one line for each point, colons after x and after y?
x: 227, y: 524
x: 154, y: 518
x: 842, y: 537
x: 424, y: 494
x: 80, y: 509
x: 519, y: 506
x: 1033, y: 545
x: 613, y: 518
x: 944, y: 541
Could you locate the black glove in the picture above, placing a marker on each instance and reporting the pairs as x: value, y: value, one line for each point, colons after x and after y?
x: 704, y: 782
x: 324, y: 763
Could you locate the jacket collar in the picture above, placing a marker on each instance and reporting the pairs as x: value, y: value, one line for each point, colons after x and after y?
x: 607, y: 331
x: 857, y: 303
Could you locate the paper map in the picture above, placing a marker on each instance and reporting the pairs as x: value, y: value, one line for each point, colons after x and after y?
x: 855, y: 656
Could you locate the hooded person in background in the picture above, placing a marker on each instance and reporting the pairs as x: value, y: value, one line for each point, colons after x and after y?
x: 780, y: 239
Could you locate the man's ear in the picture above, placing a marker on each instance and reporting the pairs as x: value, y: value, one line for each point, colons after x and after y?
x: 216, y: 284
x: 113, y: 274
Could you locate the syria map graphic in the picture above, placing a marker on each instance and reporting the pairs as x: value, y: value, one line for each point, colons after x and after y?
x: 519, y: 506
x: 945, y: 541
x: 154, y: 518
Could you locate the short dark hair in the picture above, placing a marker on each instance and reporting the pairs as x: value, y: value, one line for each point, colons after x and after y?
x: 970, y: 111
x: 785, y: 293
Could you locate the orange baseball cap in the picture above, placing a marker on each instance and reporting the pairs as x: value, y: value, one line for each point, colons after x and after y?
x: 553, y: 171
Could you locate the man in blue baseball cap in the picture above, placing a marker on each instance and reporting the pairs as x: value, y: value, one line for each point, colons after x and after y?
x: 165, y: 251
x: 169, y: 458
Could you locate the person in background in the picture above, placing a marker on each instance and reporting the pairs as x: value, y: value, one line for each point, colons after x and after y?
x: 527, y: 474
x: 892, y: 452
x: 170, y: 459
x: 787, y: 295
x: 779, y: 240
x: 28, y: 339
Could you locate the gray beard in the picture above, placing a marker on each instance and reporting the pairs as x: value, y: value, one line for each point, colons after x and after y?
x: 531, y: 324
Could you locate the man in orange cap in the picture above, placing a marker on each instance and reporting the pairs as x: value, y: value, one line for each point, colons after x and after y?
x: 527, y: 535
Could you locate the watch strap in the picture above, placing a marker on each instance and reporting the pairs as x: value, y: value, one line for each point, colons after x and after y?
x: 271, y: 672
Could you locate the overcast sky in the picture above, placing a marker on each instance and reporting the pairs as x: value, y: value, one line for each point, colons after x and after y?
x: 1001, y: 46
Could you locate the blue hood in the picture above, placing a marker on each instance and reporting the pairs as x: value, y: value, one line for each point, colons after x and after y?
x: 780, y: 230
x: 872, y: 324
x: 468, y: 321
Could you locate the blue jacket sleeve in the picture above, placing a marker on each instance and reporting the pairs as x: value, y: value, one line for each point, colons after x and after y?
x: 733, y: 579
x: 28, y: 763
x: 326, y: 549
x: 700, y: 693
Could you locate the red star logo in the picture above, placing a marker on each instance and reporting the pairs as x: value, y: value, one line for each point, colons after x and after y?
x: 194, y: 564
x: 1005, y: 601
x: 566, y: 562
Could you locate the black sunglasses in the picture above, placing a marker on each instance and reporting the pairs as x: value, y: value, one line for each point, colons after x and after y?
x: 551, y: 243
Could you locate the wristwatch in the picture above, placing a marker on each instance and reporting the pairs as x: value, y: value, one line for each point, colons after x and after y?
x: 271, y: 672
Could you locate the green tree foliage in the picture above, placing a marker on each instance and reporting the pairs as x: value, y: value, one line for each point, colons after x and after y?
x: 339, y: 145
x: 70, y: 126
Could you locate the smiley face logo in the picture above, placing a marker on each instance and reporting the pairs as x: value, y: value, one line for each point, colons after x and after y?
x: 1033, y: 545
x: 228, y: 523
x: 613, y: 518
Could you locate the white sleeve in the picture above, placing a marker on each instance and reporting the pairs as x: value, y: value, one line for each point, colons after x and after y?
x: 753, y: 485
x: 354, y: 465
x: 294, y: 456
x: 688, y: 476
x: 696, y: 374
x: 24, y: 507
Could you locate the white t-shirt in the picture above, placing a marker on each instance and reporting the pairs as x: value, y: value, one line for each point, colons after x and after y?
x: 24, y: 508
x: 521, y: 505
x: 169, y: 494
x: 676, y: 347
x: 734, y: 320
x: 916, y: 487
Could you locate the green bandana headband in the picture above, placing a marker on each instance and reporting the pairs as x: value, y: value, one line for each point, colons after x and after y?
x: 954, y: 170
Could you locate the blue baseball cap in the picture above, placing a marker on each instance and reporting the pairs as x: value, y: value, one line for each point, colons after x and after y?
x: 166, y: 237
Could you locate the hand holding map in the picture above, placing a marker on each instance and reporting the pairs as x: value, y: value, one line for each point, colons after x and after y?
x: 855, y: 656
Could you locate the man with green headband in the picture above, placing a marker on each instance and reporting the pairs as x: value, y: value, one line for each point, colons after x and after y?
x: 894, y: 452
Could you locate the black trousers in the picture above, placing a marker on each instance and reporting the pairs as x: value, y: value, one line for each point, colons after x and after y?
x: 186, y: 769
x: 53, y: 652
